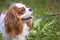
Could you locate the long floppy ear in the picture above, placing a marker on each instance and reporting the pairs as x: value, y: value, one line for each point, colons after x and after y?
x: 13, y: 24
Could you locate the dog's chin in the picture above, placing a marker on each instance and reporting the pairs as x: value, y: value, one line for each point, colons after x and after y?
x: 27, y: 19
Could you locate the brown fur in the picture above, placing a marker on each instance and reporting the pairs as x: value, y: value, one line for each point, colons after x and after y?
x: 13, y: 23
x: 29, y: 24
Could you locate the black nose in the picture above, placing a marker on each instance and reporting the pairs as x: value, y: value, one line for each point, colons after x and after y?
x: 30, y: 9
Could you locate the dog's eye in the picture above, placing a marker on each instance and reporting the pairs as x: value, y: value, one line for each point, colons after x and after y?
x: 23, y: 10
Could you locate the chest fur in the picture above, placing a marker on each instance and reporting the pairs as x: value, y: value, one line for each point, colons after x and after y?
x: 25, y: 30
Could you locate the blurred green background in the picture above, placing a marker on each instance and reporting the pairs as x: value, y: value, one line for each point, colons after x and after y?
x: 43, y: 28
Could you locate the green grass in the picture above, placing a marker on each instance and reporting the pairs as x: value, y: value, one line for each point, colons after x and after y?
x: 0, y: 36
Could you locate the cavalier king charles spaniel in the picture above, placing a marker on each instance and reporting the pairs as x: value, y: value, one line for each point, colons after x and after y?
x: 16, y: 23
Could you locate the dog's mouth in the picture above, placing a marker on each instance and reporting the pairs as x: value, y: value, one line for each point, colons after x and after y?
x: 28, y: 18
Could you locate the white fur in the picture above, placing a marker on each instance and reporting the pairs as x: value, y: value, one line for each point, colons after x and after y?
x: 24, y: 33
x: 20, y: 5
x: 2, y: 28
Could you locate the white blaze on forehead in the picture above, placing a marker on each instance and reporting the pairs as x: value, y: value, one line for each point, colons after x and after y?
x: 19, y: 5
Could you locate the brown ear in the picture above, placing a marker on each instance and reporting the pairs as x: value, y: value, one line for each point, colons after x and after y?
x: 13, y: 24
x: 13, y: 7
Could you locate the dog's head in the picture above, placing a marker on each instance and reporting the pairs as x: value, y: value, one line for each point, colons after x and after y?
x: 22, y: 11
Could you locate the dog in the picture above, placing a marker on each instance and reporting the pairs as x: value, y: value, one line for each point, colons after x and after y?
x: 16, y: 22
